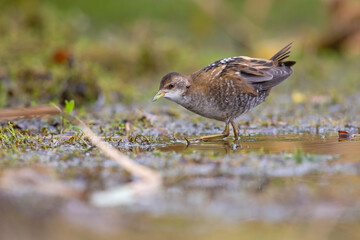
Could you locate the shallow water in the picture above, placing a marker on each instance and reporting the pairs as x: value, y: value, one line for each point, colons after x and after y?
x: 347, y: 150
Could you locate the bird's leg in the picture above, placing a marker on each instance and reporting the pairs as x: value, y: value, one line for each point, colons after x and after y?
x: 236, y: 130
x: 224, y: 134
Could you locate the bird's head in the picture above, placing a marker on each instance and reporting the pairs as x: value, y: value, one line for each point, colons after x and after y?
x: 173, y: 86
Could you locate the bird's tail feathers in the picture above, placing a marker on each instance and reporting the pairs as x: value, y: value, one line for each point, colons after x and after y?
x: 283, y: 54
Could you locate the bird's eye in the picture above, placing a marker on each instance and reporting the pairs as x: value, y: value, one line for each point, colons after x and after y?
x: 171, y: 86
x: 187, y: 87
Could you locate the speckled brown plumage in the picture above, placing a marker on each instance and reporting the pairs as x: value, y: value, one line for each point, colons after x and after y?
x: 227, y: 88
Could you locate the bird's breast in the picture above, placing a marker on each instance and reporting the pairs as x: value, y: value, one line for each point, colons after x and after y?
x: 223, y: 104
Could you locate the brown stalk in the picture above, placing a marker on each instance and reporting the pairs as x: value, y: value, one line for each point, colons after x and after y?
x: 28, y: 112
x: 150, y: 180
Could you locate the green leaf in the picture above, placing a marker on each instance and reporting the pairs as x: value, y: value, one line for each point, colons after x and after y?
x: 69, y: 106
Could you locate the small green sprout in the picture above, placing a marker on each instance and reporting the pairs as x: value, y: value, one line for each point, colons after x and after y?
x: 69, y: 106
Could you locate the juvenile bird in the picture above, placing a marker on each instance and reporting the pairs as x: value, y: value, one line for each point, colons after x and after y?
x: 227, y: 88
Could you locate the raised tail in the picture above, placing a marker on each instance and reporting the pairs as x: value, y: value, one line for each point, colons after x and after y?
x: 283, y: 54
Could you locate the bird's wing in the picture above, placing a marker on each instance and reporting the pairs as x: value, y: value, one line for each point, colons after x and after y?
x: 237, y: 71
x: 273, y: 71
x: 251, y: 69
x: 251, y: 74
x: 262, y: 74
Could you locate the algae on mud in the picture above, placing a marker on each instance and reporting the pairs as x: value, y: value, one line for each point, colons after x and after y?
x: 274, y: 175
x: 208, y: 179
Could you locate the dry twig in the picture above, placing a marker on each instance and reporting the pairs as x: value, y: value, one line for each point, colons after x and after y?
x: 38, y: 111
x: 150, y: 180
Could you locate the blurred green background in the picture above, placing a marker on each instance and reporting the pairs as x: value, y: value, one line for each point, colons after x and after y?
x: 117, y: 51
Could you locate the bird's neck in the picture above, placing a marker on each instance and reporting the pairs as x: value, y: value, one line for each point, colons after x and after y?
x: 189, y: 101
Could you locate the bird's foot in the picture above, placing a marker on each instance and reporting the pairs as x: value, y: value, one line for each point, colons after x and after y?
x: 209, y: 137
x: 224, y: 134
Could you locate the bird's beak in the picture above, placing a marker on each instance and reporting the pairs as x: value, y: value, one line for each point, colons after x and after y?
x: 160, y: 94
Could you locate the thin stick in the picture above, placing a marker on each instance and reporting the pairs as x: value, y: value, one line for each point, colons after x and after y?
x: 38, y: 111
x: 150, y: 180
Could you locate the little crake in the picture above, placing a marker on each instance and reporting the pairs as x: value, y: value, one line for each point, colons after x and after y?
x: 227, y: 88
